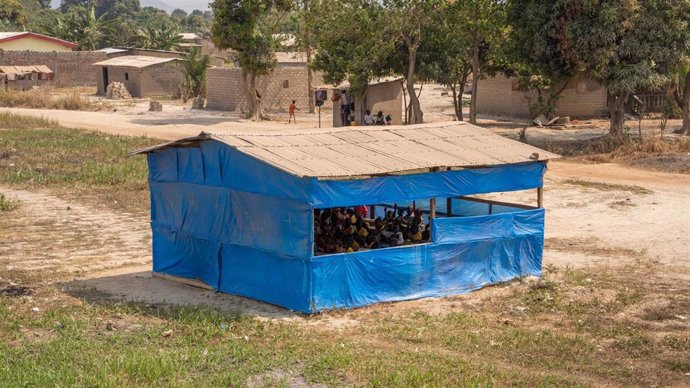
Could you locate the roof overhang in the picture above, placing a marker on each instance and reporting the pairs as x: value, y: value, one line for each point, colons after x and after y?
x: 22, y: 35
x: 363, y: 152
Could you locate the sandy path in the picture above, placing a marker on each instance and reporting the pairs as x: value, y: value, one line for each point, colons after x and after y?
x: 171, y: 124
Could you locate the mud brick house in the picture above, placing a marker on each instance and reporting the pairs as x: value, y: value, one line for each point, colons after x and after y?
x: 143, y: 76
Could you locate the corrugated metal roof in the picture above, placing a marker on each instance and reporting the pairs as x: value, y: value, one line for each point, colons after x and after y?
x: 111, y: 50
x: 346, y: 84
x: 189, y: 36
x: 25, y: 69
x: 358, y: 152
x: 138, y: 61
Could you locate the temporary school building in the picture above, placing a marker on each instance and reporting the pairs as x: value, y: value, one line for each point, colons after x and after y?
x: 236, y: 211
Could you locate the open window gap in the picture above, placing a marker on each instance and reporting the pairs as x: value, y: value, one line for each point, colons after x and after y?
x: 368, y: 227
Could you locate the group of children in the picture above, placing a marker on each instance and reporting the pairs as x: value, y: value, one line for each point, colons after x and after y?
x: 340, y: 230
x: 345, y: 113
x: 378, y: 119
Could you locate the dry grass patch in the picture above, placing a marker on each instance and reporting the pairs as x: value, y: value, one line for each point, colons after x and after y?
x: 592, y: 247
x: 601, y: 186
x: 42, y: 98
x: 671, y: 153
x: 10, y: 120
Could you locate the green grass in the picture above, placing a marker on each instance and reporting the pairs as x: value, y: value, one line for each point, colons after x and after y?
x: 69, y: 157
x: 575, y: 327
x: 7, y: 204
x: 77, y: 162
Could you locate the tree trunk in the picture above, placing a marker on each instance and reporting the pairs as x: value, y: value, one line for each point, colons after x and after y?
x: 685, y: 130
x: 683, y: 102
x: 310, y: 75
x: 617, y: 112
x: 475, y: 74
x: 454, y: 88
x: 404, y: 119
x: 458, y: 111
x: 417, y: 116
x: 249, y: 95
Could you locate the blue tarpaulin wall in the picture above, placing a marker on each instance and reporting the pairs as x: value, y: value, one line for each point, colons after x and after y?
x: 245, y: 227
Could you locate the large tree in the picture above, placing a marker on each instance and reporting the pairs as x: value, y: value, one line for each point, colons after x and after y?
x: 360, y: 40
x: 237, y: 25
x: 534, y: 52
x: 681, y: 83
x: 485, y: 21
x: 627, y: 45
x: 350, y: 42
x: 13, y: 14
x: 407, y: 22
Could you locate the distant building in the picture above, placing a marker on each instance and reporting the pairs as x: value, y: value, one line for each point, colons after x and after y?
x: 24, y: 77
x: 502, y: 96
x: 30, y: 41
x: 189, y: 40
x: 143, y: 76
x: 113, y: 52
x: 384, y: 95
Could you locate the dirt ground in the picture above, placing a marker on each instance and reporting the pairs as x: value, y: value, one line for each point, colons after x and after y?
x: 641, y: 215
x: 178, y: 120
x: 644, y: 215
x: 621, y: 227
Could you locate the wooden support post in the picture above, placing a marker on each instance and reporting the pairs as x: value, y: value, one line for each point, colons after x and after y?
x: 432, y: 208
x: 449, y: 207
x: 372, y: 211
x: 540, y: 197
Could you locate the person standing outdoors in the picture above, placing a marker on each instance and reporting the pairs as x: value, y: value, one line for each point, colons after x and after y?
x: 292, y: 110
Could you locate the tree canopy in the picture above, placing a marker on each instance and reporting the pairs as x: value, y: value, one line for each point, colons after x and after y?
x: 240, y: 25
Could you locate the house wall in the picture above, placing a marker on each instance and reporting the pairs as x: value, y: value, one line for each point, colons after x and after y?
x: 164, y: 80
x: 70, y: 68
x: 24, y: 84
x: 128, y: 76
x: 34, y: 44
x: 501, y: 96
x: 224, y: 89
x: 385, y: 97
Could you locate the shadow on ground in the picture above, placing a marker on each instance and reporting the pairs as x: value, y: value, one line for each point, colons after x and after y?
x: 187, y: 120
x: 142, y: 287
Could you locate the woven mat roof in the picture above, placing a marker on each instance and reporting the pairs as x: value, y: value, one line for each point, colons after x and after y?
x: 356, y: 152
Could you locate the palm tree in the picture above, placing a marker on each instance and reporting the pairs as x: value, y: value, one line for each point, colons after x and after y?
x: 90, y: 31
x: 80, y: 25
x: 195, y: 66
x: 160, y: 35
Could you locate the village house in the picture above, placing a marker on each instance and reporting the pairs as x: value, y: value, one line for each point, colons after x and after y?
x: 384, y: 95
x: 31, y: 41
x: 24, y: 77
x: 503, y: 96
x: 143, y: 76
